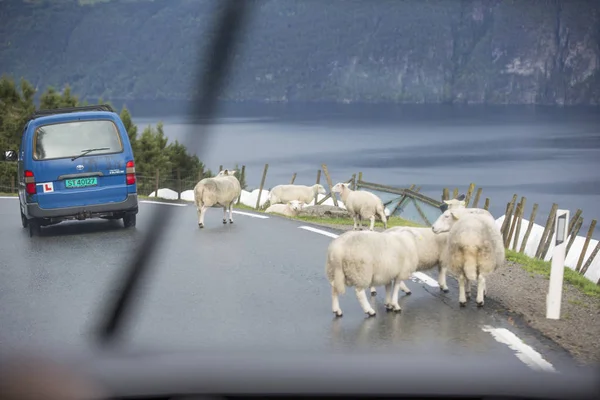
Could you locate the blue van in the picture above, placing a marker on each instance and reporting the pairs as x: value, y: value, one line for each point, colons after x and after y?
x: 74, y: 164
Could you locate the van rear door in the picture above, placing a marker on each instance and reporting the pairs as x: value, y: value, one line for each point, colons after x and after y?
x: 79, y: 163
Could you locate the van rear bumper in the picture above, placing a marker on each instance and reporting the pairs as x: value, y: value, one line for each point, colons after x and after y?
x: 130, y: 205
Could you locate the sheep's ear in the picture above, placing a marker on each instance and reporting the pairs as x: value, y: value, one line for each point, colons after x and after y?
x: 447, y: 201
x: 461, y: 197
x: 444, y: 207
x: 454, y: 215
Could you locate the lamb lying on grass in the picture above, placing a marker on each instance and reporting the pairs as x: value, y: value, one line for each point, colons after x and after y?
x: 361, y: 259
x: 286, y: 193
x: 222, y: 190
x: 361, y: 205
x: 289, y: 209
x: 474, y: 249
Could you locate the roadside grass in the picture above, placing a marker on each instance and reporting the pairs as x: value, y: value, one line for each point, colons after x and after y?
x: 542, y: 268
x: 3, y: 194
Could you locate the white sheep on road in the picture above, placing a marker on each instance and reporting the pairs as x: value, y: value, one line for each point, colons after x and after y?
x: 222, y: 190
x: 290, y: 209
x: 361, y: 205
x: 430, y: 245
x: 474, y: 249
x: 286, y: 193
x: 365, y: 258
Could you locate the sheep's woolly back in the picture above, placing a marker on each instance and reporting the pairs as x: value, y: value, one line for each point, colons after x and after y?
x: 287, y: 193
x: 361, y: 203
x: 428, y: 244
x: 217, y: 191
x: 365, y: 258
x: 475, y: 246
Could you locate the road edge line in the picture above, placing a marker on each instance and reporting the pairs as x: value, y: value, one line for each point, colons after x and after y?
x: 250, y: 214
x: 524, y: 352
x: 162, y: 202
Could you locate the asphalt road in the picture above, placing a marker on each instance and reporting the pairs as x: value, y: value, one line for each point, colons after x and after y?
x: 256, y: 284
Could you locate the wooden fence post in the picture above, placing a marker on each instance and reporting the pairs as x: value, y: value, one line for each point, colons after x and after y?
x: 455, y: 193
x: 469, y: 194
x: 586, y: 244
x: 445, y: 194
x: 529, y: 227
x: 574, y: 234
x: 157, y: 183
x: 220, y: 168
x: 519, y: 220
x: 242, y: 176
x: 591, y: 258
x: 318, y: 182
x: 293, y: 179
x: 329, y: 183
x: 477, y: 196
x: 486, y: 205
x: 547, y: 228
x: 262, y: 184
x: 178, y: 184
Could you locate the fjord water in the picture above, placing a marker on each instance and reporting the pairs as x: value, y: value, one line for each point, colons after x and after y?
x: 546, y: 154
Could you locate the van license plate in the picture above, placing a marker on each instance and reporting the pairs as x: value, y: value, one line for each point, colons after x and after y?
x: 81, y: 182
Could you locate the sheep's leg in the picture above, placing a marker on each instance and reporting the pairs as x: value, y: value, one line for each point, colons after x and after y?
x: 388, y: 296
x: 373, y: 291
x: 201, y: 216
x: 231, y: 213
x: 395, y: 306
x: 372, y: 219
x: 360, y: 222
x: 480, y: 290
x: 364, y: 303
x: 442, y: 279
x: 462, y: 300
x: 224, y: 215
x: 355, y: 223
x: 468, y: 289
x: 404, y: 288
x: 335, y: 302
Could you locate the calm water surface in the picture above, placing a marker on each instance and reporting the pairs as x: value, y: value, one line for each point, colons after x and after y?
x: 548, y: 155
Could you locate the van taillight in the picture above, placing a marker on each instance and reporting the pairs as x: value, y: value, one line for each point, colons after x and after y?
x: 130, y: 172
x: 30, y: 187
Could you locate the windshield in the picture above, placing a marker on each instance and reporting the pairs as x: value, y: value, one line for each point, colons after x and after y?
x: 70, y: 139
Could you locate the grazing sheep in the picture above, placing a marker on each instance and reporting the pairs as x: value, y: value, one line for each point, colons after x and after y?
x: 361, y: 204
x: 302, y: 193
x: 222, y: 190
x: 474, y: 249
x: 290, y: 209
x: 361, y: 259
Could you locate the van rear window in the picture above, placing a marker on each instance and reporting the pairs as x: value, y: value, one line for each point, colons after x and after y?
x: 70, y: 139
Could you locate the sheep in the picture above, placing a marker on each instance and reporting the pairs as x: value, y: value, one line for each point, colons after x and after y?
x: 363, y: 258
x: 430, y: 245
x: 290, y: 209
x: 361, y: 204
x: 474, y: 249
x: 222, y: 190
x: 302, y: 193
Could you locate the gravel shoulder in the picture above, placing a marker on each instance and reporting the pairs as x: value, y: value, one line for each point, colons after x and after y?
x: 520, y: 296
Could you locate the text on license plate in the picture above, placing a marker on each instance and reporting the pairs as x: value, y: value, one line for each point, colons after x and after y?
x: 81, y: 182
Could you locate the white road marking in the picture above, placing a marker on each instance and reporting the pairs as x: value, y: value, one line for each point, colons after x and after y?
x: 9, y: 197
x: 425, y: 279
x: 163, y: 202
x: 320, y: 231
x: 251, y: 214
x: 418, y: 275
x: 525, y: 353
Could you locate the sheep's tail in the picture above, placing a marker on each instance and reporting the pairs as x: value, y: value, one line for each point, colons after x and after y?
x: 470, y: 262
x: 339, y: 280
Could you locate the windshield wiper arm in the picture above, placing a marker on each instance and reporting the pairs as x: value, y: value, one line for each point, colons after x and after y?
x: 86, y: 151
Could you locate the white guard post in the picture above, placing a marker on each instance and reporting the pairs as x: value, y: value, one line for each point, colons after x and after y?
x: 557, y: 271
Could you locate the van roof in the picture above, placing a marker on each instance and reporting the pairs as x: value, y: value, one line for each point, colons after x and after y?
x: 58, y: 115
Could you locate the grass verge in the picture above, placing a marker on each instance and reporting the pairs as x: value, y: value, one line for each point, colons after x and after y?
x: 542, y: 268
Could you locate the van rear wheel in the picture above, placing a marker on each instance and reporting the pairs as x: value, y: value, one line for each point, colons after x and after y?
x: 129, y: 220
x: 24, y: 221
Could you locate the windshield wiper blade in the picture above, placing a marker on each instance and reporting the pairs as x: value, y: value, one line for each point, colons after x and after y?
x: 86, y: 151
x: 218, y: 57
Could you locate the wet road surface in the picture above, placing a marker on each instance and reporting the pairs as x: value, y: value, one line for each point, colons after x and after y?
x: 256, y: 284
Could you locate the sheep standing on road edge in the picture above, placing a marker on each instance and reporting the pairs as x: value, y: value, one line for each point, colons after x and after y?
x: 286, y: 193
x: 290, y: 209
x: 474, y: 249
x: 222, y: 190
x: 365, y: 258
x: 361, y: 204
